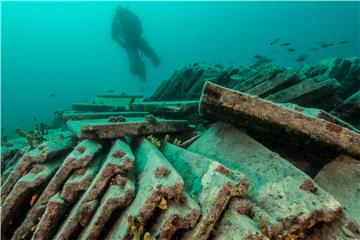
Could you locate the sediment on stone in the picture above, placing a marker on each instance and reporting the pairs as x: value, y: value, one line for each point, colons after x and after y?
x: 254, y: 113
x: 152, y: 188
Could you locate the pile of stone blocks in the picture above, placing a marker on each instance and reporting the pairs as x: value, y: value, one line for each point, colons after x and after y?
x: 122, y: 167
x: 332, y: 84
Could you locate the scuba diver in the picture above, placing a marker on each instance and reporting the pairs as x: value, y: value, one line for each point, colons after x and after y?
x: 126, y: 31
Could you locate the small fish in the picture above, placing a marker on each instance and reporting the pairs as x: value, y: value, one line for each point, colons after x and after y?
x: 257, y: 56
x: 312, y: 49
x: 327, y: 45
x: 110, y: 91
x: 301, y: 58
x: 275, y: 41
x: 285, y: 44
x: 343, y: 42
x: 34, y: 119
x: 52, y: 95
x: 291, y: 49
x: 33, y: 199
x: 322, y: 42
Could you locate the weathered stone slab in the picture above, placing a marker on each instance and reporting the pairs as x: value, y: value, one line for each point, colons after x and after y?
x: 9, y: 165
x: 261, y: 77
x: 79, y: 158
x: 98, y: 107
x: 50, y: 220
x: 41, y: 154
x: 350, y: 109
x: 167, y: 107
x: 118, y: 95
x: 251, y: 112
x: 321, y: 114
x: 157, y: 180
x: 308, y: 92
x: 119, y: 161
x: 103, y: 129
x: 341, y: 178
x: 278, y: 188
x: 79, y: 181
x: 181, y: 215
x: 73, y: 115
x: 280, y: 81
x: 118, y: 196
x: 237, y: 223
x: 24, y: 193
x: 210, y: 182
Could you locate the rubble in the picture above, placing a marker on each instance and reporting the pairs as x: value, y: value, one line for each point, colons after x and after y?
x: 252, y: 112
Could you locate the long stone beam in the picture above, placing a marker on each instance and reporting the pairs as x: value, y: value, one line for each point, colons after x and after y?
x: 252, y: 112
x: 103, y: 129
x: 74, y: 115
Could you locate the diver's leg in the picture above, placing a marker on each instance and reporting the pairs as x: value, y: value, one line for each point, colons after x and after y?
x: 137, y: 66
x: 149, y: 52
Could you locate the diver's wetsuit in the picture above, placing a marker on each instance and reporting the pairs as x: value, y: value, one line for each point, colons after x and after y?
x: 127, y: 31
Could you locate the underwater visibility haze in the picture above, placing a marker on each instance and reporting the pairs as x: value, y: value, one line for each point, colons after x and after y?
x: 180, y: 120
x: 56, y: 53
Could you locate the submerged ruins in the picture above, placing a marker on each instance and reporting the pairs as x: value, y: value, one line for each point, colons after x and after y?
x: 258, y: 153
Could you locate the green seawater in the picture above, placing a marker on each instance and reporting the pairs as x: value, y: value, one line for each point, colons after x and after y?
x: 56, y: 53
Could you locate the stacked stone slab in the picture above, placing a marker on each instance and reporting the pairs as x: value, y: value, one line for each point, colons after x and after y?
x: 324, y: 85
x: 111, y: 180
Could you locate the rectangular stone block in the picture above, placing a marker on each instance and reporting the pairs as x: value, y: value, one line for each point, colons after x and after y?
x: 103, y: 129
x: 255, y: 113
